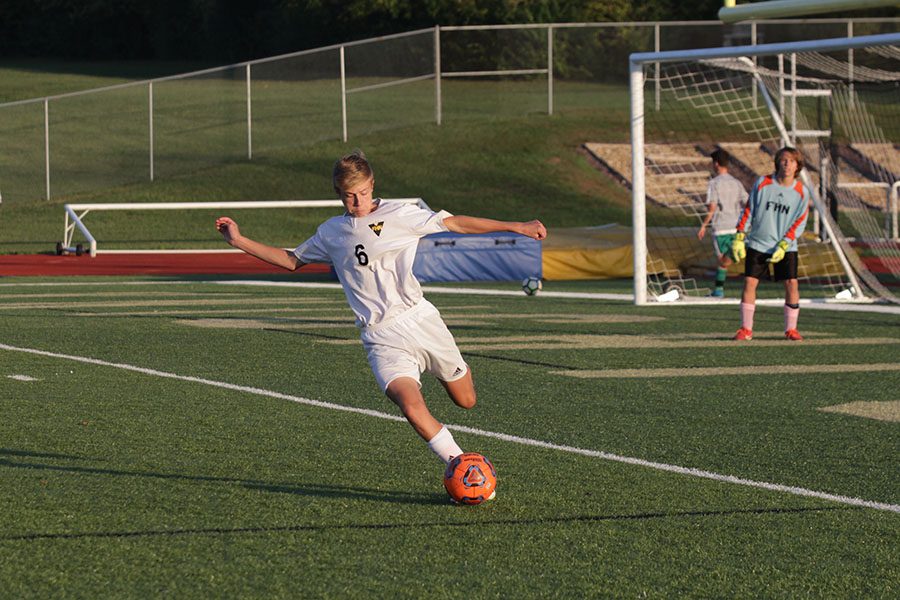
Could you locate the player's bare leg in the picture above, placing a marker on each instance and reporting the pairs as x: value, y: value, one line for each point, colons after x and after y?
x: 462, y: 390
x: 749, y: 294
x: 405, y: 393
x: 791, y: 291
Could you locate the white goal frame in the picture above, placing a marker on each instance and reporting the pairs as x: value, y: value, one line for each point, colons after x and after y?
x: 75, y: 213
x: 636, y: 69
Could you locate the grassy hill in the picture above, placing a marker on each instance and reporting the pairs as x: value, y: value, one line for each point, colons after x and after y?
x: 510, y: 167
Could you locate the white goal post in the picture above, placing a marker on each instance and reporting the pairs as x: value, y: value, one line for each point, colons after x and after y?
x: 75, y: 214
x: 782, y: 121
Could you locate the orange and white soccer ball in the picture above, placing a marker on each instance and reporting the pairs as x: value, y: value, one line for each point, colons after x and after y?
x: 470, y: 478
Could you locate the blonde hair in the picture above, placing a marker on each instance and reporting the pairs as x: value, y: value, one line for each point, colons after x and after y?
x: 350, y: 170
x: 795, y: 154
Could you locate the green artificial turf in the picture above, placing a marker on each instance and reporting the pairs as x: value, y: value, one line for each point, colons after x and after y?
x: 118, y: 482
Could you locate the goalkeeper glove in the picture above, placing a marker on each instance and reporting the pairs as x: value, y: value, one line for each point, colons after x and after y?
x: 778, y: 255
x: 738, y: 249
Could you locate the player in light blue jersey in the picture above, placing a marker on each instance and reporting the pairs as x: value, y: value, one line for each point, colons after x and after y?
x: 767, y: 232
x: 725, y: 198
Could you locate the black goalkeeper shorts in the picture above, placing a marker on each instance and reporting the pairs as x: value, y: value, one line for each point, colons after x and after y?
x: 756, y: 265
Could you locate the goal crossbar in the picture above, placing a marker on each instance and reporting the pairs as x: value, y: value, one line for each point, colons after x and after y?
x: 826, y: 45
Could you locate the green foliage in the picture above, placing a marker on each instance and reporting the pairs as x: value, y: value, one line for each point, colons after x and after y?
x: 235, y: 30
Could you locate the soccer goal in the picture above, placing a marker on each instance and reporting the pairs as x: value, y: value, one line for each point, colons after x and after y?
x: 836, y: 100
x: 75, y: 216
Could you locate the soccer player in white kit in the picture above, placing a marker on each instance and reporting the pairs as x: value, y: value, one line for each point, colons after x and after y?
x: 372, y: 247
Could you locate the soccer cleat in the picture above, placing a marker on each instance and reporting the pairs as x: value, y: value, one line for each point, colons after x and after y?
x: 717, y: 293
x: 793, y: 335
x: 743, y: 334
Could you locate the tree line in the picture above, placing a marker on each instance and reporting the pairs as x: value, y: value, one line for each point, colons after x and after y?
x: 238, y: 30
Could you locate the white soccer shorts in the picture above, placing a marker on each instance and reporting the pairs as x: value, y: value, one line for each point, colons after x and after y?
x: 417, y: 341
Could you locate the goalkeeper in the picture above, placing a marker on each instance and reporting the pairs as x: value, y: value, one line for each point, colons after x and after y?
x: 767, y: 232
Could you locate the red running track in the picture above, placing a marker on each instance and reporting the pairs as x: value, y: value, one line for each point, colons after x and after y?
x: 226, y: 263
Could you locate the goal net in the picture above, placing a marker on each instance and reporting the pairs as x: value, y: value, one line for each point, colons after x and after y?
x: 837, y: 101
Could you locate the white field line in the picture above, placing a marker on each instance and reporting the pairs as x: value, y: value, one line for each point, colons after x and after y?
x: 797, y: 491
x: 723, y: 371
x: 817, y: 303
x: 22, y: 378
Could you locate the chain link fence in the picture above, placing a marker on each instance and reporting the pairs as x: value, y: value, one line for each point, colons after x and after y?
x: 147, y: 130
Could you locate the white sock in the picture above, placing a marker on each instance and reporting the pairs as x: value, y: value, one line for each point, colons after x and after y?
x: 444, y: 445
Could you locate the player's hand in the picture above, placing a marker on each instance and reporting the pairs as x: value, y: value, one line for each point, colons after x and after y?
x: 228, y: 228
x: 534, y: 229
x: 702, y: 232
x: 738, y: 248
x: 778, y: 255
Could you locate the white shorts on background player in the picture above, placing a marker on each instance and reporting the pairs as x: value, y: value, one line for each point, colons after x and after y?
x: 415, y: 342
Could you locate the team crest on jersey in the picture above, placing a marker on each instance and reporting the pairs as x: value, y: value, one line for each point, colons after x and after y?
x: 377, y: 227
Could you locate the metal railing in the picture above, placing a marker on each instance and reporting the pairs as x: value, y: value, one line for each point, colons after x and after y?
x: 75, y: 214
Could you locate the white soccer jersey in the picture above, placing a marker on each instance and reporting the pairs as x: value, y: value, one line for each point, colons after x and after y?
x: 373, y: 257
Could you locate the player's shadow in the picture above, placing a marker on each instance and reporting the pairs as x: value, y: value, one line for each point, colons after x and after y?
x: 479, y: 523
x: 357, y: 493
x: 30, y: 454
x: 323, y: 490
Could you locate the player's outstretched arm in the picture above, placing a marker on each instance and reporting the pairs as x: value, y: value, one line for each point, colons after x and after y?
x: 275, y: 256
x: 463, y: 224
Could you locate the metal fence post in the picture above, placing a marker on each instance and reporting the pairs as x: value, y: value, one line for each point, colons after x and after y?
x: 850, y: 65
x: 438, y: 109
x: 343, y: 96
x: 249, y: 119
x: 150, y: 111
x: 656, y: 48
x: 550, y: 70
x: 755, y: 58
x: 47, y: 147
x: 781, y: 90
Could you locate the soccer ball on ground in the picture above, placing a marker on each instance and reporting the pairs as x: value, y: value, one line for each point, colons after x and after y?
x: 470, y: 478
x: 531, y: 285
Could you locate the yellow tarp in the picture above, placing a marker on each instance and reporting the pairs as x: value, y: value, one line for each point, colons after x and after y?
x: 588, y: 253
x: 606, y: 252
